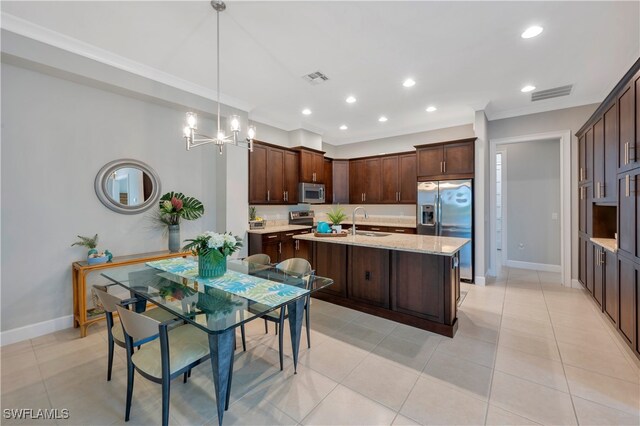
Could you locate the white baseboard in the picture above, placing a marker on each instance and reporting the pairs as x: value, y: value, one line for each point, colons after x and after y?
x: 35, y: 330
x: 479, y: 280
x: 576, y: 284
x: 545, y: 267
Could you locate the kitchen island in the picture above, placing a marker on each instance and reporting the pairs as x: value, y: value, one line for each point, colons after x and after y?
x: 411, y: 279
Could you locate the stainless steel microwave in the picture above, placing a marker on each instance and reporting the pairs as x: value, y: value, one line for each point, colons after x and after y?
x: 312, y: 193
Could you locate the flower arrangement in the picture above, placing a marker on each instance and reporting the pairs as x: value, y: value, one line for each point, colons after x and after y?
x: 175, y: 206
x: 336, y: 215
x: 212, y: 250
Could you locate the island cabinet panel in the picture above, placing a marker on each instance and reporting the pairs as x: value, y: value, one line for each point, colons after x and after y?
x: 629, y: 298
x: 330, y: 260
x: 422, y: 297
x: 369, y: 280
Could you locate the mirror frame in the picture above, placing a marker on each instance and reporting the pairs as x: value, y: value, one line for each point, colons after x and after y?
x: 100, y: 186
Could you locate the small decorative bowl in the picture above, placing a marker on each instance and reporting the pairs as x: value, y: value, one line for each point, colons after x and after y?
x: 97, y: 260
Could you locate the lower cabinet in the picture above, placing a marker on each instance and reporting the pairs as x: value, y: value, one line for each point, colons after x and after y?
x: 582, y: 261
x: 280, y: 246
x: 330, y: 260
x: 422, y: 298
x: 611, y: 291
x: 393, y: 229
x: 369, y: 281
x: 629, y: 301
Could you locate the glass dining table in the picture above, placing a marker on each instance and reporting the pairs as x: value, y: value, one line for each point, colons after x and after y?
x: 218, y: 306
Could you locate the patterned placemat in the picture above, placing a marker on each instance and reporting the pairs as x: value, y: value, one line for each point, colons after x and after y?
x: 257, y: 289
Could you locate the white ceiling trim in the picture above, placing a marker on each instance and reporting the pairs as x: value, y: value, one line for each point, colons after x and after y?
x: 36, y: 32
x: 542, y: 107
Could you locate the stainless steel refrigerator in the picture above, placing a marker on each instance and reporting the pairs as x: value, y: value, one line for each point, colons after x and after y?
x: 445, y: 208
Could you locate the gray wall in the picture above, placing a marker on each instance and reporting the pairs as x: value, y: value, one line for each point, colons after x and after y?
x: 56, y: 135
x: 532, y: 187
x: 564, y: 119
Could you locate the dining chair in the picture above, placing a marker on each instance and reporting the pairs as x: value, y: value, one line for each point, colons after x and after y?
x: 166, y: 353
x: 259, y: 259
x: 301, y: 268
x: 115, y: 334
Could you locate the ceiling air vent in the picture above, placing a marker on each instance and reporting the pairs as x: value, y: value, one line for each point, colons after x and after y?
x: 551, y: 93
x: 316, y: 77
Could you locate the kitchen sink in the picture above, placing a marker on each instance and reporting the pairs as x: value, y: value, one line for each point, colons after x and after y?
x: 372, y: 234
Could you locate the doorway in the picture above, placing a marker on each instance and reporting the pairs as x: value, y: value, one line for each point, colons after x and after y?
x: 530, y: 203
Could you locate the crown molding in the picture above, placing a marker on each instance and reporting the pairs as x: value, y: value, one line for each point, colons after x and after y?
x: 535, y: 109
x: 52, y: 38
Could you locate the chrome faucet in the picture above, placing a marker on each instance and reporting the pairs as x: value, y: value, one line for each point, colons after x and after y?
x: 353, y: 218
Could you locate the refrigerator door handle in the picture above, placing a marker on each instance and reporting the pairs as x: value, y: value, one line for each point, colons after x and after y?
x: 438, y: 215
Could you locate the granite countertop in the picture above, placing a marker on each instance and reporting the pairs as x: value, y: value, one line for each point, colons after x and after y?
x: 283, y: 228
x: 606, y: 243
x: 445, y: 246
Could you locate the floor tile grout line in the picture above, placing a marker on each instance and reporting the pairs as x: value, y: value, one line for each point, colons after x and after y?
x: 564, y: 371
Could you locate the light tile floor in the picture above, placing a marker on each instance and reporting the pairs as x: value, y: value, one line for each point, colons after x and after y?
x: 528, y: 351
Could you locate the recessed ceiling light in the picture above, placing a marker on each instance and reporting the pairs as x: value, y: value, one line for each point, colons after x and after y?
x: 528, y: 88
x: 350, y: 99
x: 532, y: 32
x: 409, y: 82
x: 343, y: 127
x: 306, y: 111
x: 431, y: 108
x: 382, y: 119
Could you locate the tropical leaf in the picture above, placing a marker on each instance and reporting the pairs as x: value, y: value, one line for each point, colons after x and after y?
x: 192, y: 208
x: 87, y: 242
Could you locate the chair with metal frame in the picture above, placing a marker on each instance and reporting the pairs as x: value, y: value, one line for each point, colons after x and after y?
x: 166, y: 353
x: 115, y: 334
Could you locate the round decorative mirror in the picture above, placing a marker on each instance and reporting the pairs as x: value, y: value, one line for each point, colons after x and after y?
x: 127, y: 186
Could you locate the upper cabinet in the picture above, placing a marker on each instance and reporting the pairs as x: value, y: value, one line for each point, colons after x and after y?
x: 340, y: 187
x: 450, y: 160
x: 585, y: 157
x: 629, y: 125
x: 605, y: 155
x: 273, y: 175
x: 311, y: 166
x: 399, y: 179
x: 328, y: 181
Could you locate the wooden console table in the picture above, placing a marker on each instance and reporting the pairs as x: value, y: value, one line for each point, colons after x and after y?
x: 80, y: 270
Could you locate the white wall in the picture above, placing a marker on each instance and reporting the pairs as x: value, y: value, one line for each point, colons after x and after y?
x: 56, y: 135
x: 531, y: 180
x: 481, y: 207
x: 402, y: 143
x: 564, y: 119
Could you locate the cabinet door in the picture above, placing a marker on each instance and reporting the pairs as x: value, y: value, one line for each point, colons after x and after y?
x: 408, y: 188
x: 582, y: 158
x: 287, y: 247
x: 590, y: 261
x: 422, y: 298
x: 330, y: 260
x: 582, y: 262
x: 328, y: 181
x: 588, y: 193
x: 628, y: 277
x: 626, y: 126
x: 373, y: 173
x: 588, y: 156
x: 306, y: 166
x: 271, y: 247
x: 598, y: 274
x: 357, y: 178
x: 598, y: 159
x: 341, y: 182
x: 611, y: 285
x: 303, y: 249
x: 430, y: 161
x: 258, y: 175
x: 318, y: 167
x: 458, y: 158
x: 291, y: 173
x: 610, y: 154
x: 582, y: 209
x: 627, y: 214
x: 369, y: 281
x: 390, y: 184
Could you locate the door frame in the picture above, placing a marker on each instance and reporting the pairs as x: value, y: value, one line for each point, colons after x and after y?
x: 565, y: 196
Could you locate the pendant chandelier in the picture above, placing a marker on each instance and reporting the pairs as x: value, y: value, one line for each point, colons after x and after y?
x: 194, y: 139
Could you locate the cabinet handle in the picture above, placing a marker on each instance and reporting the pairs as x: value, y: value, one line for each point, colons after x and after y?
x: 375, y: 229
x: 272, y: 236
x: 289, y: 235
x: 444, y: 167
x: 626, y: 153
x: 399, y: 230
x: 581, y: 174
x: 268, y: 195
x: 441, y: 167
x: 280, y: 247
x: 582, y: 193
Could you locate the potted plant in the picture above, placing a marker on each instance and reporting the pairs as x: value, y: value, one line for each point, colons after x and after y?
x: 93, y: 256
x: 336, y: 216
x: 255, y: 221
x: 173, y: 207
x: 212, y: 250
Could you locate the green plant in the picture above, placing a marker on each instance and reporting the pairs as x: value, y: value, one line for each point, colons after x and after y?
x: 213, y: 244
x: 90, y: 243
x: 336, y: 215
x: 175, y: 206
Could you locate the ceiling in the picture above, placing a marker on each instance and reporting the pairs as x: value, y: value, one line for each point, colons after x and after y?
x: 464, y: 56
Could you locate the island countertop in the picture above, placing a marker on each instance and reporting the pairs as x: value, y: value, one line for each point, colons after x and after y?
x: 427, y: 244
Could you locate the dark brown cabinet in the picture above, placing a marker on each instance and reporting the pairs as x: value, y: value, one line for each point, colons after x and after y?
x: 357, y: 179
x: 399, y: 179
x: 605, y: 154
x: 629, y: 298
x: 582, y: 261
x: 424, y: 298
x: 311, y: 166
x: 373, y: 181
x: 626, y: 127
x: 585, y: 157
x: 598, y: 273
x: 590, y: 266
x: 279, y: 246
x: 448, y: 160
x: 328, y: 181
x: 369, y: 281
x: 599, y: 163
x: 340, y: 174
x: 330, y: 260
x: 628, y: 212
x: 273, y: 175
x: 611, y: 292
x: 390, y: 179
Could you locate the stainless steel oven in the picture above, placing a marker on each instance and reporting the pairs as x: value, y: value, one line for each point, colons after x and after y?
x: 312, y: 193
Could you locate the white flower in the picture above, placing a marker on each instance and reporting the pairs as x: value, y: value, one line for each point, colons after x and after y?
x: 230, y: 239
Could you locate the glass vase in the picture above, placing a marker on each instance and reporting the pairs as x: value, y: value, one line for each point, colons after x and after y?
x: 212, y: 267
x: 174, y: 238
